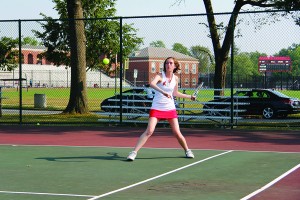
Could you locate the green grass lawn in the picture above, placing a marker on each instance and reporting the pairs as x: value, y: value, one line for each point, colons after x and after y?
x: 57, y: 98
x: 45, y: 172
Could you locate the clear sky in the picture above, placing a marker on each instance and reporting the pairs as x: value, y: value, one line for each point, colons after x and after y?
x: 268, y: 40
x: 30, y: 9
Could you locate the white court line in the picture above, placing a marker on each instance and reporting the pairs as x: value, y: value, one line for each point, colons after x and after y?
x: 47, y: 194
x: 156, y: 177
x: 271, y: 183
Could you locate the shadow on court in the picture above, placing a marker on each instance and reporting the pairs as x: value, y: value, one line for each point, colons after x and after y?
x: 110, y: 156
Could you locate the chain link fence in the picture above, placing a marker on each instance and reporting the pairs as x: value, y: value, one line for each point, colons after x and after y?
x: 45, y: 88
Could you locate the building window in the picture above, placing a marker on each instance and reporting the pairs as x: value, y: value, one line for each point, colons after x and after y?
x: 194, y: 69
x: 161, y: 67
x: 39, y: 59
x: 153, y: 68
x: 186, y: 81
x: 30, y: 59
x: 186, y: 69
x: 180, y: 66
x: 194, y: 81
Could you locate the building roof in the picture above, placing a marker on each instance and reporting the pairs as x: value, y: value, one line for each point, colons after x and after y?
x: 31, y: 47
x: 161, y: 53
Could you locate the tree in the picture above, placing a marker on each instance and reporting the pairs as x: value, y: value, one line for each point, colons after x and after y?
x: 221, y: 51
x: 8, y: 53
x: 243, y: 65
x: 205, y: 57
x: 101, y: 40
x: 30, y: 41
x: 290, y: 5
x: 78, y: 97
x: 158, y: 43
x: 254, y: 56
x: 178, y: 47
x: 294, y: 53
x: 102, y: 34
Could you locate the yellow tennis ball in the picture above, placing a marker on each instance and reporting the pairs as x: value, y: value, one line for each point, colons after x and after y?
x: 105, y: 61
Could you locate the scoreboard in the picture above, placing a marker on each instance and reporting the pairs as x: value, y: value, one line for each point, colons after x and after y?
x: 274, y: 64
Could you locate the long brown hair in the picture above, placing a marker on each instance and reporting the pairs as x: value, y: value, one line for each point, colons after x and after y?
x: 176, y: 63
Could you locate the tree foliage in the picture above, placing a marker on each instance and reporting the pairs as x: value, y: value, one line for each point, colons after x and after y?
x: 244, y: 65
x: 85, y: 33
x: 30, y: 41
x: 178, y: 47
x: 294, y: 53
x: 102, y: 31
x: 222, y: 44
x: 205, y: 57
x: 8, y: 53
x: 158, y: 43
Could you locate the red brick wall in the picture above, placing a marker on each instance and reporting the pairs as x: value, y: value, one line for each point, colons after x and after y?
x: 31, y: 57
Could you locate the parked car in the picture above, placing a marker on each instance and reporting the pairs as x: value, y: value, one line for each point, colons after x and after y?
x: 137, y: 100
x: 266, y: 102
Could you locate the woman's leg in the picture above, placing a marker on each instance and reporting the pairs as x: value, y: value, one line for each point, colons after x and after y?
x: 148, y: 132
x: 176, y: 131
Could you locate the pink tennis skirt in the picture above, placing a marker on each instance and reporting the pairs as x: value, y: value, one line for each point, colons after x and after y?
x: 163, y: 115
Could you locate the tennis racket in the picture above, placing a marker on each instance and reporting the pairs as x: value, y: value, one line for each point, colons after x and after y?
x: 197, y: 89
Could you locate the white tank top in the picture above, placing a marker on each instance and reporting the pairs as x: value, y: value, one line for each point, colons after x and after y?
x: 161, y: 102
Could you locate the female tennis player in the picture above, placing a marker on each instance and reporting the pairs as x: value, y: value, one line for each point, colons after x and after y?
x: 163, y: 107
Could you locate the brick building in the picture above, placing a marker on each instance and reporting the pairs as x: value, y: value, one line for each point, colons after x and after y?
x: 32, y: 55
x: 39, y: 72
x: 149, y: 61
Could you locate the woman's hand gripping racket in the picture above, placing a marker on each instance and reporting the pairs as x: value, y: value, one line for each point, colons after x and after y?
x: 195, y: 94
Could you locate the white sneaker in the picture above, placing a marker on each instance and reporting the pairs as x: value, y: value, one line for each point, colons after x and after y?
x: 132, y: 155
x: 189, y: 154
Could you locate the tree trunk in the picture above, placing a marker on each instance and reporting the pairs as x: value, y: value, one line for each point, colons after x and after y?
x: 221, y: 52
x: 220, y: 75
x: 78, y: 103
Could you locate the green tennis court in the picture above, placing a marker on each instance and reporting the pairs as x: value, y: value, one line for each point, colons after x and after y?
x: 64, y: 172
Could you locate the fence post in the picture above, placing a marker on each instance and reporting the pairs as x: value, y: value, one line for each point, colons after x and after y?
x: 20, y: 70
x: 0, y: 101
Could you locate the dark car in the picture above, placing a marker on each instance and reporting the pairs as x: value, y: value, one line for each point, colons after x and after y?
x: 133, y: 101
x: 266, y: 102
x: 137, y: 100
